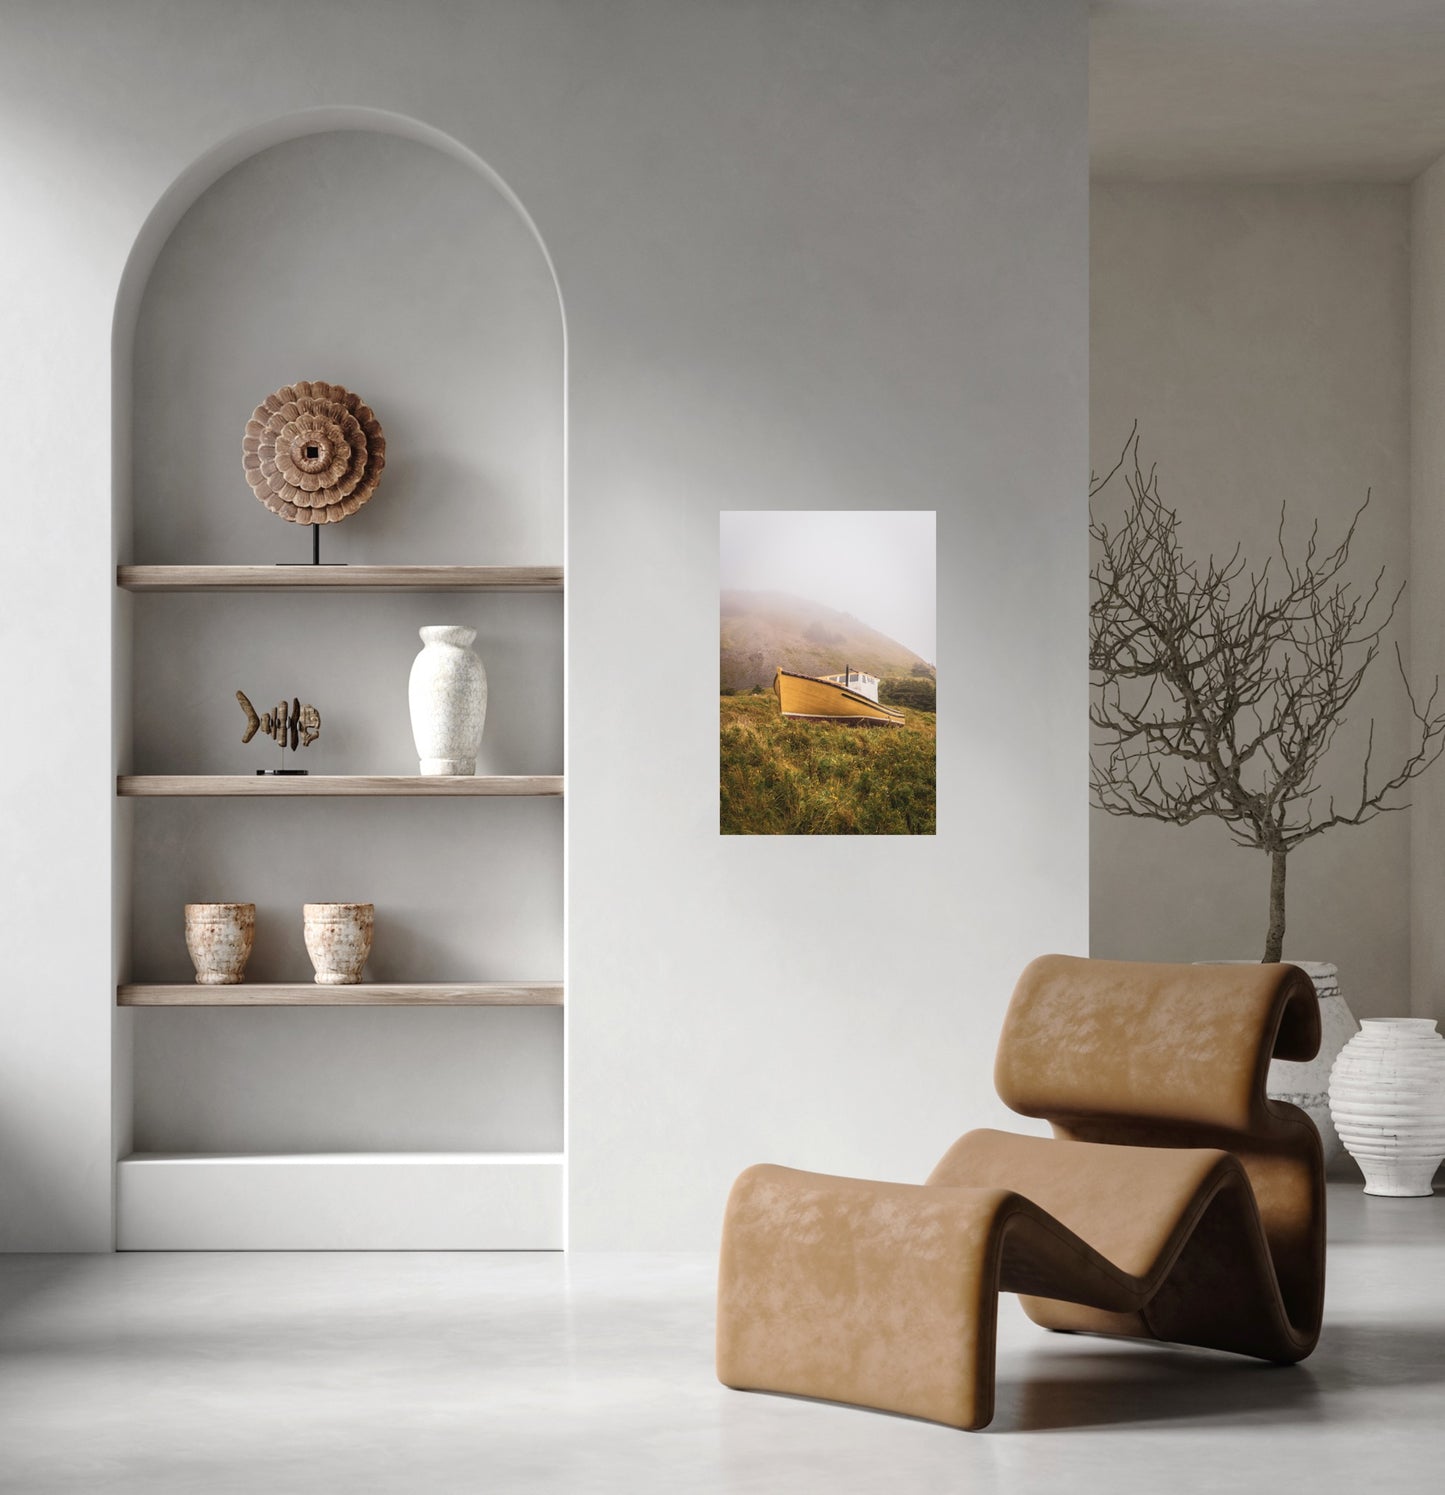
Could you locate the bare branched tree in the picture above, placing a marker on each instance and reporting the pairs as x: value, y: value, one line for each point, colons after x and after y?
x: 1218, y: 690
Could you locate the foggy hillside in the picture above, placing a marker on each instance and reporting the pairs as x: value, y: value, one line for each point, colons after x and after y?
x: 763, y: 630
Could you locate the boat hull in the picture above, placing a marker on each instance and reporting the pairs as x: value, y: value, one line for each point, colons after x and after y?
x: 802, y: 698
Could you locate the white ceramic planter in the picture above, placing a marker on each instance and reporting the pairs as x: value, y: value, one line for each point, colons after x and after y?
x: 338, y: 940
x: 1387, y: 1094
x: 448, y: 697
x: 219, y: 937
x: 1307, y: 1085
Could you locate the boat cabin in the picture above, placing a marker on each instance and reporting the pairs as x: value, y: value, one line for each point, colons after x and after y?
x: 865, y: 685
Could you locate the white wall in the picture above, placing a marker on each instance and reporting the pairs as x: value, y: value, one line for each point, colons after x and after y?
x: 1427, y: 549
x: 816, y: 254
x: 1261, y: 337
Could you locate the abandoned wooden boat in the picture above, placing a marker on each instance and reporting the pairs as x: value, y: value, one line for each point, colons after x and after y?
x: 833, y: 698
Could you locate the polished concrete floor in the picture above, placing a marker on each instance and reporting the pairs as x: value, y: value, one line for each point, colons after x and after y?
x: 418, y: 1373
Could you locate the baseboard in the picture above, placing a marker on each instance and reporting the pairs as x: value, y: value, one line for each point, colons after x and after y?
x: 340, y: 1202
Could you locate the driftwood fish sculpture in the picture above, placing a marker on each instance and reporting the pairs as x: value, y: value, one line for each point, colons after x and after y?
x: 289, y: 723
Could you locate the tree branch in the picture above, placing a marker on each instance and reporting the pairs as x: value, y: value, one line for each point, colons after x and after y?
x: 1218, y: 691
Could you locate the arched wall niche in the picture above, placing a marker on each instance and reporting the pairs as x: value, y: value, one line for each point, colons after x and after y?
x: 323, y: 248
x: 372, y: 250
x: 222, y: 157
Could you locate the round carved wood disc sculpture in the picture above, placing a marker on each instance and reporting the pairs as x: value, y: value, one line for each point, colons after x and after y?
x: 313, y: 453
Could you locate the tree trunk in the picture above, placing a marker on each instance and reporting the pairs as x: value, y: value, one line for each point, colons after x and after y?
x: 1274, y: 940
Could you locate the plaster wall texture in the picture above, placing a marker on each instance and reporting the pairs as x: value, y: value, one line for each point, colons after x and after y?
x: 1427, y: 551
x: 821, y: 255
x: 1261, y: 338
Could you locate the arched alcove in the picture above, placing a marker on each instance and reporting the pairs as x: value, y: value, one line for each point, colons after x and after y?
x: 369, y: 251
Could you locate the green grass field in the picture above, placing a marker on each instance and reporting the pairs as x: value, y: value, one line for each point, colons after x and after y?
x: 781, y: 778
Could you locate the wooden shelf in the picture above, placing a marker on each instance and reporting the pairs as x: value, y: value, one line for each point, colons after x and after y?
x: 339, y: 578
x: 254, y: 786
x: 369, y: 994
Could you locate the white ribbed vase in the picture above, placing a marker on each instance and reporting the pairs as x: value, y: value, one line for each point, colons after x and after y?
x: 448, y: 697
x: 1387, y: 1096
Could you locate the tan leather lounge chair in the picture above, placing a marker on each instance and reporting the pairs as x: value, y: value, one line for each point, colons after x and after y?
x: 1175, y: 1202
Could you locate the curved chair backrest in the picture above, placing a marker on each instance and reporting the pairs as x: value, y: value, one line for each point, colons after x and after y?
x: 1176, y: 1056
x: 1123, y: 1040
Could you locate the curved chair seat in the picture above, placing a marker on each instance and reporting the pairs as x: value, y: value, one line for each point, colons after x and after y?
x: 1200, y: 1220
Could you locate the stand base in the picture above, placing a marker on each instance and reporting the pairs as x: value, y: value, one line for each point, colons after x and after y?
x: 282, y: 773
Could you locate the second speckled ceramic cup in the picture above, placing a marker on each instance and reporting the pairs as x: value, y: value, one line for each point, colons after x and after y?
x: 338, y: 940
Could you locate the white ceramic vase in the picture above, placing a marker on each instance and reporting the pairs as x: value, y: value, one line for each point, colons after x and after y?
x: 448, y: 696
x: 338, y: 940
x: 1307, y: 1084
x: 219, y: 938
x: 1387, y: 1093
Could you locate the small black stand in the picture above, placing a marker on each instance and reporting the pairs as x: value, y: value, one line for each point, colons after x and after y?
x: 315, y: 557
x: 282, y: 773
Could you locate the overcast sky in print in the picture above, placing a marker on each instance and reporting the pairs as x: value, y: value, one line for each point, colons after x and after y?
x: 876, y: 564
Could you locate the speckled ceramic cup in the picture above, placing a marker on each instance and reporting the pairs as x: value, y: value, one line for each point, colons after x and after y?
x: 219, y: 937
x: 338, y: 940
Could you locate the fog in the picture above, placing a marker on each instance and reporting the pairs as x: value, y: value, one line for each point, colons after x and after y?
x: 877, y: 565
